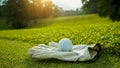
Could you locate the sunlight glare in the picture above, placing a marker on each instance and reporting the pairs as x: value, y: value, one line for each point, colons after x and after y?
x: 68, y: 4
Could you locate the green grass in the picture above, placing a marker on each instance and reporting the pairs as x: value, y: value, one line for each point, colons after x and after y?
x: 13, y: 54
x: 85, y: 29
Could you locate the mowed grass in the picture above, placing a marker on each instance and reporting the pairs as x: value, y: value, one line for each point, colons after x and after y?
x: 85, y: 29
x: 13, y: 54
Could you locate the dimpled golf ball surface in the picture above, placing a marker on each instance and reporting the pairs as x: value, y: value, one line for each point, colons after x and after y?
x: 65, y: 44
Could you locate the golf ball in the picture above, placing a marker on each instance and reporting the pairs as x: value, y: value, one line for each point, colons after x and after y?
x: 65, y: 44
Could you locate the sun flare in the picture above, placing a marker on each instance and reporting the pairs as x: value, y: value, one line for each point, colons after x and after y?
x: 68, y: 4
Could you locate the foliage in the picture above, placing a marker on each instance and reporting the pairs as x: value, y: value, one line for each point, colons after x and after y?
x: 1, y: 11
x: 110, y: 8
x: 20, y: 12
x: 90, y: 6
x: 2, y: 8
x: 71, y: 12
x: 105, y: 8
x: 86, y: 29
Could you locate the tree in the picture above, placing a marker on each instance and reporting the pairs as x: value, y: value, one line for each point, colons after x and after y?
x: 105, y: 8
x: 56, y: 11
x: 2, y: 8
x: 90, y: 6
x: 109, y: 8
x: 19, y: 12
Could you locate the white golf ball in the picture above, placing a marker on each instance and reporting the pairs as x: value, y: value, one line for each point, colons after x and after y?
x: 65, y: 44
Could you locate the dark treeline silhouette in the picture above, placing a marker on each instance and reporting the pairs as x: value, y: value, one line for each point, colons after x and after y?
x: 105, y: 8
x: 20, y: 12
x: 2, y: 14
x: 69, y: 13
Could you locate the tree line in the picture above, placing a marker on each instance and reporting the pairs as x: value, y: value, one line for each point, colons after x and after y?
x: 20, y: 12
x: 105, y: 8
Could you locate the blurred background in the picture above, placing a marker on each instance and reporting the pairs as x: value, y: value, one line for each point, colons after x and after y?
x: 19, y: 13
